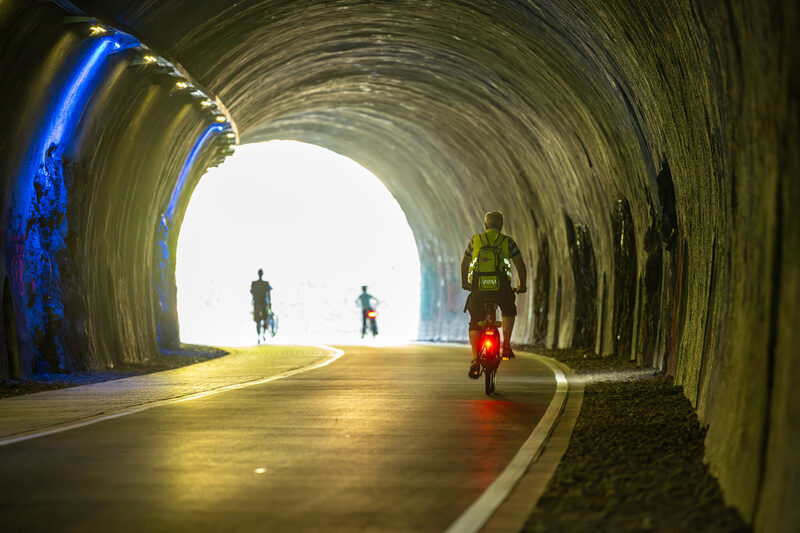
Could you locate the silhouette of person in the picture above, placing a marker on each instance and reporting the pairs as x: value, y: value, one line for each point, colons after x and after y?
x: 260, y: 289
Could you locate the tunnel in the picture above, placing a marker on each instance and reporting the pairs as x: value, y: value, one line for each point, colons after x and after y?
x: 644, y: 155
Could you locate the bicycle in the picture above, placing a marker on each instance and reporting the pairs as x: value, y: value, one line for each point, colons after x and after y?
x: 489, y: 346
x: 369, y: 319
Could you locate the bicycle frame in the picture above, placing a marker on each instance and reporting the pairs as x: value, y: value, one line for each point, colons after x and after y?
x: 489, y: 345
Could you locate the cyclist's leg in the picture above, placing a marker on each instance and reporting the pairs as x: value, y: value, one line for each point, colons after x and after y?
x: 508, y: 327
x: 474, y: 338
x: 260, y: 324
x: 475, y: 308
x: 363, y: 322
x: 508, y: 308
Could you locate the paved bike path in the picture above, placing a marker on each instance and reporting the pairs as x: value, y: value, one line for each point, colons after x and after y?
x: 383, y: 439
x: 31, y: 413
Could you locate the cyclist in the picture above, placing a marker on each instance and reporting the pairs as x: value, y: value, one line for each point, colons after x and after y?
x: 493, y: 222
x: 262, y: 303
x: 366, y: 301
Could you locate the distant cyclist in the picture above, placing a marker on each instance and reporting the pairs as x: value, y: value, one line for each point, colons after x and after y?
x: 262, y: 304
x: 503, y: 294
x: 367, y: 306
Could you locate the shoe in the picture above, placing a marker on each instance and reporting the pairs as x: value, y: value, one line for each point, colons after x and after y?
x: 474, y: 370
x: 508, y: 353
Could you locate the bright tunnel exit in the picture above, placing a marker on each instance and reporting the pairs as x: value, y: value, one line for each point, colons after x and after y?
x: 320, y: 226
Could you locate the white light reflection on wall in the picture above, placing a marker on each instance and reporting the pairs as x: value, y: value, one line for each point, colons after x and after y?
x: 320, y: 226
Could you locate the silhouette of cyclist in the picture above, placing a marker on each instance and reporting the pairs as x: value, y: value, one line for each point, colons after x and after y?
x: 505, y: 297
x: 366, y: 301
x: 262, y: 304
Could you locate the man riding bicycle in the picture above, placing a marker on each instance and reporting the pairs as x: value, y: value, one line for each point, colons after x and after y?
x: 262, y: 303
x: 503, y: 295
x: 367, y: 303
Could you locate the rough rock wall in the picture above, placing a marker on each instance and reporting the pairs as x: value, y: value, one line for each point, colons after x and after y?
x: 647, y: 147
x: 93, y: 142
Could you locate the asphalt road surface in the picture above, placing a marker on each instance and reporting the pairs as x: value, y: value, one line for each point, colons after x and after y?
x: 382, y: 439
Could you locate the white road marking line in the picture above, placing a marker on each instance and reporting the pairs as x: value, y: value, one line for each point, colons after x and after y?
x: 477, y: 514
x: 334, y: 354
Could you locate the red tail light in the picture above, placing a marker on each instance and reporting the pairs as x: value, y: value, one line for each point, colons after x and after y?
x: 372, y: 314
x: 487, y: 343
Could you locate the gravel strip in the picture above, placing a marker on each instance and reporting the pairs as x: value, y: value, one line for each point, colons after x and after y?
x: 635, y: 460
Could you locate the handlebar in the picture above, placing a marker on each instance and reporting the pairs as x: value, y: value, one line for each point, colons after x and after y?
x: 515, y: 289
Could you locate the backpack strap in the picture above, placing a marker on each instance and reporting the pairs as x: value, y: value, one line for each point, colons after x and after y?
x: 496, y: 240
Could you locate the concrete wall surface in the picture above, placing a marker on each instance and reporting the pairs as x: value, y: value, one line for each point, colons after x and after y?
x: 94, y: 142
x: 644, y: 155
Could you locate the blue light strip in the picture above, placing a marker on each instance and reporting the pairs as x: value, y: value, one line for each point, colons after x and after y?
x: 33, y: 252
x: 166, y: 222
x: 187, y: 167
x: 63, y: 117
x: 77, y: 89
x: 61, y: 121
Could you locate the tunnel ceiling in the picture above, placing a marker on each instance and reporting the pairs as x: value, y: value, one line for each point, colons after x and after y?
x: 556, y: 113
x: 435, y: 97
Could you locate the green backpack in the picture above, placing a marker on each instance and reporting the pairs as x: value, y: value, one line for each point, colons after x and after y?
x: 488, y: 265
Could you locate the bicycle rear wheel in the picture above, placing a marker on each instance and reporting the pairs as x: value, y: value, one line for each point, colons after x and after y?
x: 490, y: 377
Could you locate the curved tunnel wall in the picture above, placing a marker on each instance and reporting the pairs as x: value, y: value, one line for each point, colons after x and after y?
x: 644, y: 155
x: 94, y: 145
